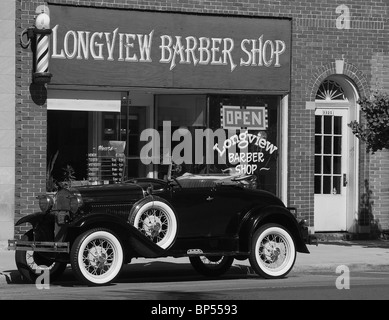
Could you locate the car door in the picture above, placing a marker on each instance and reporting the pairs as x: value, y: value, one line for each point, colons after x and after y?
x: 208, y: 211
x: 194, y: 206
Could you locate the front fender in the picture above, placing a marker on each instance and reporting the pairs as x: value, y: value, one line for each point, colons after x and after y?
x: 34, y: 218
x: 272, y: 214
x: 128, y: 234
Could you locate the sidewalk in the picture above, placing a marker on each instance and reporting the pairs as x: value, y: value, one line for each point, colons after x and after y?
x: 327, y: 256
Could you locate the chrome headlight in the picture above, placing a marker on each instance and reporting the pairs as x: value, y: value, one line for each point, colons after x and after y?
x: 46, y: 202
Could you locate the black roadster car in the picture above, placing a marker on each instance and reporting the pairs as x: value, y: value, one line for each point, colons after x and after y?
x: 211, y: 219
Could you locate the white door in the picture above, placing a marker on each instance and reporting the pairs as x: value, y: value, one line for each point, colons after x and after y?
x: 331, y: 169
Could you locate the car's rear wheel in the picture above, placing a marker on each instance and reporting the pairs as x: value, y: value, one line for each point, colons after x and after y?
x: 157, y: 221
x: 97, y: 256
x: 211, y: 266
x: 273, y: 252
x: 31, y: 264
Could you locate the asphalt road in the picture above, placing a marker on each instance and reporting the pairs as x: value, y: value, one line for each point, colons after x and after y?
x: 158, y: 285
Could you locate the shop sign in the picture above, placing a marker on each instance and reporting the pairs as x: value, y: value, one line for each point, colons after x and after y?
x: 110, y: 47
x: 250, y: 118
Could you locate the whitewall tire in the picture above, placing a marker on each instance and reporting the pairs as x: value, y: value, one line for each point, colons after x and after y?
x: 97, y: 256
x: 273, y: 251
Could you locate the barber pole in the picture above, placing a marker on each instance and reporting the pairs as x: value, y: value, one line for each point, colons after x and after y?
x: 42, y: 52
x: 42, y: 31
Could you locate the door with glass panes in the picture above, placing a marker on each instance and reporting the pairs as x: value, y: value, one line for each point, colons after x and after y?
x: 331, y: 169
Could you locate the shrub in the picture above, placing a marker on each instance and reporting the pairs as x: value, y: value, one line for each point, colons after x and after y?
x: 374, y: 131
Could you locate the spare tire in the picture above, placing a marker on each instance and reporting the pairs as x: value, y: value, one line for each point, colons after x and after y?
x: 156, y: 220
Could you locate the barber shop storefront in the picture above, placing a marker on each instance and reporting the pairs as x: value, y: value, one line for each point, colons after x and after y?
x: 248, y: 88
x: 132, y: 91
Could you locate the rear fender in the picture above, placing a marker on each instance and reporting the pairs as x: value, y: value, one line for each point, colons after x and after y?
x: 272, y: 214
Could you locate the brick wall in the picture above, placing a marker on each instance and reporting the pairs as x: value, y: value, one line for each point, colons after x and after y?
x: 7, y: 119
x: 317, y: 42
x: 30, y: 123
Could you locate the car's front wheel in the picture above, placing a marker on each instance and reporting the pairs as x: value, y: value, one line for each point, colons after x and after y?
x: 31, y: 264
x: 97, y: 256
x: 273, y: 252
x: 211, y: 266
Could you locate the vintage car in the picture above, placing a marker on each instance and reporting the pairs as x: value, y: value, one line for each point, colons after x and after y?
x: 211, y: 219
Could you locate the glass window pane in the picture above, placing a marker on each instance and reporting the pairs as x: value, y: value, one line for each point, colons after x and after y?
x: 337, y: 165
x: 318, y: 144
x: 133, y: 142
x: 132, y: 167
x: 318, y: 124
x: 133, y: 122
x: 317, y: 184
x: 337, y: 125
x: 327, y: 185
x: 327, y: 165
x: 317, y: 164
x: 327, y: 145
x: 336, y: 188
x: 337, y: 145
x: 327, y: 124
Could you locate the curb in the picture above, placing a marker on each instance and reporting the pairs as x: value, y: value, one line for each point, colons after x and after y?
x: 332, y: 267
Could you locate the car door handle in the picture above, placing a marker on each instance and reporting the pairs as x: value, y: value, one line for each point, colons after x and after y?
x: 209, y: 198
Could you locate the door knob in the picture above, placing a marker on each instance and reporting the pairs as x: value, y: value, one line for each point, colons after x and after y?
x: 344, y: 180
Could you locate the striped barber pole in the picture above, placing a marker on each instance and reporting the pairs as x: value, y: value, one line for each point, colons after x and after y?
x: 42, y: 53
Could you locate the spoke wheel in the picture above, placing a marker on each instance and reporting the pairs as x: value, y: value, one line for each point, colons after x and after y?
x: 157, y: 221
x: 211, y: 266
x: 273, y: 252
x: 97, y: 256
x: 30, y: 264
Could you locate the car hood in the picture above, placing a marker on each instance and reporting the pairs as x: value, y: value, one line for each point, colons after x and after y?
x: 117, y: 193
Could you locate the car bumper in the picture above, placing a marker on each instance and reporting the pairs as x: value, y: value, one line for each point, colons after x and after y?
x: 42, y: 246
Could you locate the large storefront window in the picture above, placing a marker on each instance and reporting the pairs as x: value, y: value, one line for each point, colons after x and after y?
x: 262, y: 144
x: 196, y: 129
x: 191, y: 130
x: 95, y: 147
